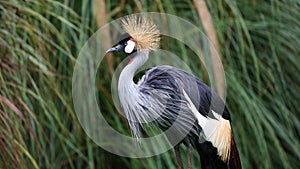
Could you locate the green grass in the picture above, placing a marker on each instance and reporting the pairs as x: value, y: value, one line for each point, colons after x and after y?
x: 39, y: 43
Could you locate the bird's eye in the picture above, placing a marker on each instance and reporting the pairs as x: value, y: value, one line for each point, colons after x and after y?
x: 129, y: 46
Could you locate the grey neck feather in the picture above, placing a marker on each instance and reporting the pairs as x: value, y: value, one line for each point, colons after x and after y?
x: 127, y: 74
x: 129, y: 94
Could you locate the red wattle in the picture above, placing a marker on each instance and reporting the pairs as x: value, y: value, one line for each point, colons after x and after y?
x: 130, y: 60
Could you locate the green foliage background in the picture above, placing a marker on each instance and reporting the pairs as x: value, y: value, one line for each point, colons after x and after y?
x: 39, y: 43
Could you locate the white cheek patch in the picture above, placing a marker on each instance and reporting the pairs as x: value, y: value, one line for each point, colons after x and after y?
x: 130, y: 46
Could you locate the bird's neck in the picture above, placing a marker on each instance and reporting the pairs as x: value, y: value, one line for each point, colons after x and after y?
x: 127, y: 74
x: 128, y: 91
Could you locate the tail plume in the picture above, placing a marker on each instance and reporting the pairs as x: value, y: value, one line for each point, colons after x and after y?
x: 211, y: 160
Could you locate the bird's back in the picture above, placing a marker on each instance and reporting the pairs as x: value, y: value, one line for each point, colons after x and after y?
x: 173, y: 80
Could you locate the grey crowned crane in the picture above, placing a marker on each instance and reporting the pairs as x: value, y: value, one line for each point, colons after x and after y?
x: 164, y: 92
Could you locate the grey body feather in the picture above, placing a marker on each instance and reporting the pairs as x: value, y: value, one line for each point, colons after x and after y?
x: 158, y: 97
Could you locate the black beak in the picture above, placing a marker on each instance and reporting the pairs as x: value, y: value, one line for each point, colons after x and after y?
x: 118, y: 48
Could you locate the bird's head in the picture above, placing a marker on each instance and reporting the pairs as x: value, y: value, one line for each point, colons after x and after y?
x: 141, y: 34
x: 126, y: 44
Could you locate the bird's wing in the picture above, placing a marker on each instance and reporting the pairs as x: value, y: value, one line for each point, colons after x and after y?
x: 163, y: 88
x: 173, y: 80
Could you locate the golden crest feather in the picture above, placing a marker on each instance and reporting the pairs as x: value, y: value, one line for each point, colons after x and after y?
x: 144, y: 32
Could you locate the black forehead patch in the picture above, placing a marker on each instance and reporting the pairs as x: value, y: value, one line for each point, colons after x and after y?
x: 124, y: 37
